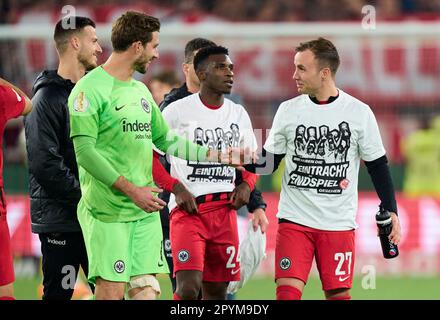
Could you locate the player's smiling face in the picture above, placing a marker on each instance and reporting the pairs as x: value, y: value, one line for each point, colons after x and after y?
x: 90, y: 48
x: 219, y: 74
x: 149, y: 53
x: 307, y: 74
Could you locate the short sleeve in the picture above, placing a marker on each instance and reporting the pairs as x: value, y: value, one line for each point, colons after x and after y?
x: 84, y: 109
x: 12, y: 104
x: 370, y: 142
x: 276, y: 142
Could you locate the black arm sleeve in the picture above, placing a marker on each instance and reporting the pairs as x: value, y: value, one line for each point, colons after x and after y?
x: 381, y: 178
x: 267, y: 163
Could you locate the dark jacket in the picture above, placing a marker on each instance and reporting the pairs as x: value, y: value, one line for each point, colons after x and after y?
x: 53, y: 173
x: 256, y: 198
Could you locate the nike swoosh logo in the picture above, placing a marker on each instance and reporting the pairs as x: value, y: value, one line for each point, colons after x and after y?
x: 235, y: 271
x: 341, y: 279
x: 119, y: 108
x: 18, y: 96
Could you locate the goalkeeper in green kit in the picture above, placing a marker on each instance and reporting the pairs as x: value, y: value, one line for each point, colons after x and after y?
x: 114, y: 124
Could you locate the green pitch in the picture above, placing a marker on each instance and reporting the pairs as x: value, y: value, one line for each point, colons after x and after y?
x: 394, y: 288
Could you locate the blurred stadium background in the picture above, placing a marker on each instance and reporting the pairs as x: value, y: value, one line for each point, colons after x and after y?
x: 392, y: 64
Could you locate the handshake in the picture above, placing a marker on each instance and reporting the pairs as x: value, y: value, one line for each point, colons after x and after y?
x: 235, y: 157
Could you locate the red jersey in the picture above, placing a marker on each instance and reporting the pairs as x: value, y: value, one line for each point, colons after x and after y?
x: 11, y: 106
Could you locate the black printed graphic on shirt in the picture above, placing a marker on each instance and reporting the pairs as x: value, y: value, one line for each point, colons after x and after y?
x: 214, y: 139
x: 320, y: 160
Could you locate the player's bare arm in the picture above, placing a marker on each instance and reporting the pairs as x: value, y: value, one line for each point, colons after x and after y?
x: 259, y: 218
x: 240, y: 195
x: 396, y: 232
x: 142, y: 196
x: 235, y: 157
x: 184, y: 199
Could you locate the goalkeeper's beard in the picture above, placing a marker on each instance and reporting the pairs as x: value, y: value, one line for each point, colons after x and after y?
x: 140, y: 65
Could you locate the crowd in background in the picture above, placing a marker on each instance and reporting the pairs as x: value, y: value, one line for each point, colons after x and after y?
x: 21, y: 68
x: 241, y: 10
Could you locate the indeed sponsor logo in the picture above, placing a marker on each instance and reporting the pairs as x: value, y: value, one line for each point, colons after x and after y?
x: 135, y: 126
x: 56, y: 242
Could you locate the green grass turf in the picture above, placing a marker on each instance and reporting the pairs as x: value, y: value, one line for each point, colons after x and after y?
x: 394, y: 288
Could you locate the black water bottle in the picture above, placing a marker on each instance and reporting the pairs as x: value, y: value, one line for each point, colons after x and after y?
x: 385, y: 224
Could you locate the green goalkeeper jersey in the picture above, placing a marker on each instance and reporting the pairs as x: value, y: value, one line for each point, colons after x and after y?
x: 125, y: 121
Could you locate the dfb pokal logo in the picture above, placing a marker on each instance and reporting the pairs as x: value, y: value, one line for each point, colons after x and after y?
x: 145, y: 105
x: 81, y: 104
x: 285, y: 263
x: 183, y: 256
x: 119, y: 266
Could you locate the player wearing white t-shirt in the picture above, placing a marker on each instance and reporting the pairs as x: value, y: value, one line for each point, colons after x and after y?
x: 205, y: 244
x: 325, y: 177
x: 323, y: 134
x: 208, y: 126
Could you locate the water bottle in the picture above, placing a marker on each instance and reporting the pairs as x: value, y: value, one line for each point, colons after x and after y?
x: 384, y: 224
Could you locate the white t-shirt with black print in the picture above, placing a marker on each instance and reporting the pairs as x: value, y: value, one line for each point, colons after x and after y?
x: 323, y: 146
x: 227, y: 126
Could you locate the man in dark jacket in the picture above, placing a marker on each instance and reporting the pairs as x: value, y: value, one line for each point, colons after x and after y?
x: 192, y: 85
x: 53, y: 173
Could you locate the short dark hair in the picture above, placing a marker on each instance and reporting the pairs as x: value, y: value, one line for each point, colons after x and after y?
x: 194, y: 45
x: 205, y: 53
x: 62, y: 35
x: 325, y: 52
x: 131, y: 27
